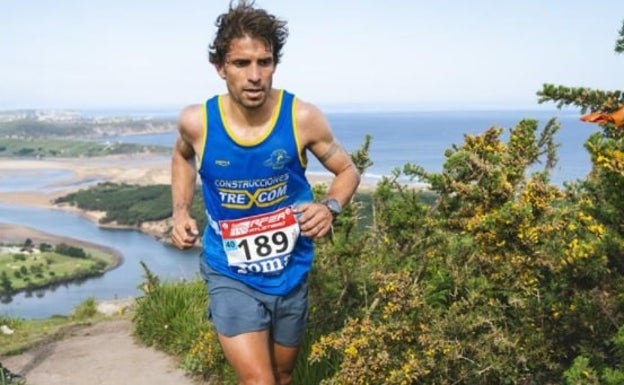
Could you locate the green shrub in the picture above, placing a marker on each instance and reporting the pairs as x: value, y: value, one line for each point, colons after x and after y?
x: 11, y: 322
x: 494, y: 277
x: 172, y: 315
x: 7, y: 378
x: 85, y: 310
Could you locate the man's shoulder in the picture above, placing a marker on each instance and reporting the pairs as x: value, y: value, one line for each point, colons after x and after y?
x: 311, y: 122
x: 191, y: 117
x: 191, y: 110
x: 307, y: 112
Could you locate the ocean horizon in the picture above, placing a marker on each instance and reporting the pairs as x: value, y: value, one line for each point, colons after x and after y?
x: 422, y: 137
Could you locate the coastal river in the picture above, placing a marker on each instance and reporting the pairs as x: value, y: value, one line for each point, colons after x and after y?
x: 122, y: 282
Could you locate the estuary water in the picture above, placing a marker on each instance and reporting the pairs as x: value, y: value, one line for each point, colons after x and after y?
x: 122, y: 282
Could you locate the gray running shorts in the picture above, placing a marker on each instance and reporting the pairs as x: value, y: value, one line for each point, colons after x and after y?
x: 236, y: 308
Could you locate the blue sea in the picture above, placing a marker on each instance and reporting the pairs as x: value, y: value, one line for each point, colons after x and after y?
x: 421, y: 137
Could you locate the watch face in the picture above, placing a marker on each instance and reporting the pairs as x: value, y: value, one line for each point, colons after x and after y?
x: 333, y: 206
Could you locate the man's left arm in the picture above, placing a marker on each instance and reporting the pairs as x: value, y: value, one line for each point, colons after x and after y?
x: 346, y: 176
x: 317, y: 218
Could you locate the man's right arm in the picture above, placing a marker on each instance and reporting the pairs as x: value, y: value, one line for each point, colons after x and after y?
x: 184, y: 176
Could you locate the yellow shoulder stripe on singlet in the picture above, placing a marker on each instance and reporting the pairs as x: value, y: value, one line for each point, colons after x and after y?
x: 302, y: 156
x: 202, y: 142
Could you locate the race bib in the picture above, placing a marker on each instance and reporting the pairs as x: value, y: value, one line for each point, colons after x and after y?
x: 260, y: 243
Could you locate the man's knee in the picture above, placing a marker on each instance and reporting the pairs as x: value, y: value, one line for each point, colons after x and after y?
x: 260, y: 379
x: 284, y: 378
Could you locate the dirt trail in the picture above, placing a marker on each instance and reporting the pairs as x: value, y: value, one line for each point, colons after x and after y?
x: 101, y: 354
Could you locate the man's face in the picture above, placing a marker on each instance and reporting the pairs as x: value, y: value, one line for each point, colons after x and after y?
x: 248, y: 71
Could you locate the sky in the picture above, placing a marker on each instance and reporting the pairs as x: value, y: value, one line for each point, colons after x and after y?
x: 341, y: 54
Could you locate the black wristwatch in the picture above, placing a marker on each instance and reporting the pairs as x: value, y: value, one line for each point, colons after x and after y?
x: 333, y: 205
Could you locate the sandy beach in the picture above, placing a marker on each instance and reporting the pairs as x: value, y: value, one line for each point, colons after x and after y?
x: 150, y: 169
x: 135, y: 169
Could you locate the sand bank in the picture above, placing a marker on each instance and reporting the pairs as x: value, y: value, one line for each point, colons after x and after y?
x: 134, y: 169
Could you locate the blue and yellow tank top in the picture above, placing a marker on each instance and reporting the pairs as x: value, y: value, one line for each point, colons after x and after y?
x: 249, y: 190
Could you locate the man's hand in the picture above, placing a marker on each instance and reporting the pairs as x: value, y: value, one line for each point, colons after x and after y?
x: 315, y: 219
x: 184, y: 233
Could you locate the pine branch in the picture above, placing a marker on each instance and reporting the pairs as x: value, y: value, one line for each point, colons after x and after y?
x: 586, y: 99
x: 619, y: 44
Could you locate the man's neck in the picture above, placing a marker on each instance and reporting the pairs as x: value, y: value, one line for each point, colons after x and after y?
x: 241, y: 116
x: 249, y: 124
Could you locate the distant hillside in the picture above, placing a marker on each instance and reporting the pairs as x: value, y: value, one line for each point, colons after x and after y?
x: 40, y: 124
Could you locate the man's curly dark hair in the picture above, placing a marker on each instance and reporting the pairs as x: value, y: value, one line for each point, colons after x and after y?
x: 245, y: 20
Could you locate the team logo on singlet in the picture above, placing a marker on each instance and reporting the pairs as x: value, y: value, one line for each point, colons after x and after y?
x: 279, y: 159
x: 246, y: 193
